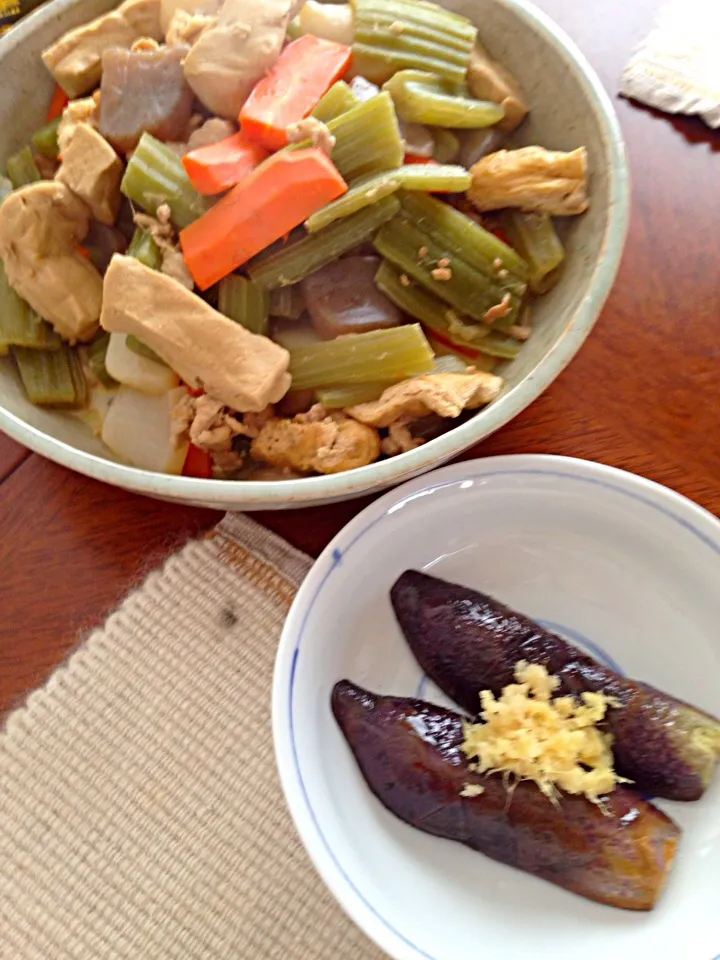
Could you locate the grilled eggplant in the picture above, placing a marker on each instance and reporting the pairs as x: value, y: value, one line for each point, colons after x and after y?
x: 409, y: 754
x: 467, y: 642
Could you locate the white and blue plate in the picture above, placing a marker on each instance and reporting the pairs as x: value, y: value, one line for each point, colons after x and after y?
x: 624, y: 568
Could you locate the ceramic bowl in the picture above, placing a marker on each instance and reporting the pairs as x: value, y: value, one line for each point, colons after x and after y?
x: 568, y: 108
x: 621, y: 567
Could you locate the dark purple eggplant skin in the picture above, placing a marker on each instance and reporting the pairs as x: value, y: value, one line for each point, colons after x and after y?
x: 409, y: 754
x: 466, y: 642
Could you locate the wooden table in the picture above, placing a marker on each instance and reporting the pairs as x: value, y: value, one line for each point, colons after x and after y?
x: 643, y: 394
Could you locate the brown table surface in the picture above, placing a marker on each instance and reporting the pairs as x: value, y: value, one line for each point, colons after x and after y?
x: 643, y: 394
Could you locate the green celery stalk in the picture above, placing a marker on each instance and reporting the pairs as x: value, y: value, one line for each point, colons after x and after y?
x: 392, y: 354
x: 533, y: 236
x: 287, y: 302
x: 495, y: 344
x: 392, y: 35
x: 244, y: 302
x: 367, y: 138
x: 45, y: 140
x: 20, y: 326
x: 447, y: 146
x: 52, y: 378
x: 6, y: 188
x: 338, y: 398
x: 373, y: 187
x: 143, y: 248
x: 96, y: 351
x: 438, y: 269
x: 432, y: 177
x: 362, y: 193
x: 297, y: 260
x: 339, y: 99
x: 438, y: 317
x: 155, y: 175
x: 461, y: 233
x: 142, y: 349
x: 22, y: 169
x: 421, y: 97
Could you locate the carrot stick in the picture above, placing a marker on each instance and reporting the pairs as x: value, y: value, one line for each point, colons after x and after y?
x: 416, y: 158
x: 220, y: 166
x: 198, y: 463
x: 305, y: 70
x: 58, y: 103
x: 268, y: 203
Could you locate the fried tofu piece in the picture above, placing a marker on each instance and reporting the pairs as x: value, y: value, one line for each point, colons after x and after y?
x: 76, y: 112
x: 93, y: 171
x: 532, y: 179
x: 489, y: 80
x: 244, y: 371
x: 328, y: 446
x: 446, y: 394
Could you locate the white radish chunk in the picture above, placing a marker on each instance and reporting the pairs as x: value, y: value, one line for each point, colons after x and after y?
x: 329, y: 21
x: 137, y: 429
x: 140, y: 373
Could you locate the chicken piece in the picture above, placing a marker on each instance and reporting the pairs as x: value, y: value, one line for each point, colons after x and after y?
x: 75, y: 60
x: 446, y: 394
x: 188, y: 27
x: 489, y: 80
x: 313, y: 130
x: 93, y: 171
x: 163, y: 233
x: 41, y: 226
x: 532, y: 179
x: 76, y: 112
x: 212, y: 131
x: 245, y: 371
x: 226, y: 62
x: 144, y: 91
x: 211, y: 427
x: 399, y: 440
x: 330, y: 446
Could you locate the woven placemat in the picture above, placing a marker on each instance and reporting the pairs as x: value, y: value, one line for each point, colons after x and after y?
x: 140, y: 811
x: 677, y: 68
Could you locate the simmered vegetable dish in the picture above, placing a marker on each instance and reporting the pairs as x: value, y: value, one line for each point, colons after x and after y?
x: 269, y: 240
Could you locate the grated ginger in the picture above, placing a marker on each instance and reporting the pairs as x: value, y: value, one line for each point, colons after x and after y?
x: 528, y: 735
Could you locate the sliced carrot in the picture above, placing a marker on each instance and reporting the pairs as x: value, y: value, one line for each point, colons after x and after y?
x: 463, y: 349
x: 198, y: 463
x: 277, y: 196
x: 220, y: 166
x: 58, y: 103
x: 305, y: 70
x: 416, y: 158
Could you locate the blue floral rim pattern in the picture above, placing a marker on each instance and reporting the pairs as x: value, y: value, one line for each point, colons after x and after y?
x: 337, y: 558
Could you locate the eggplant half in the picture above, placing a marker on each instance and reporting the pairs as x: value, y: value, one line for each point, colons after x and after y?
x: 410, y: 754
x: 467, y: 642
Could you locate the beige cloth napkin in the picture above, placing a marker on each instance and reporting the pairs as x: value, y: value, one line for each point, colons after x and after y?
x: 141, y: 817
x: 677, y: 68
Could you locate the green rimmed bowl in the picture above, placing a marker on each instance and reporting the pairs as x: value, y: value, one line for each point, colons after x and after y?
x: 569, y: 108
